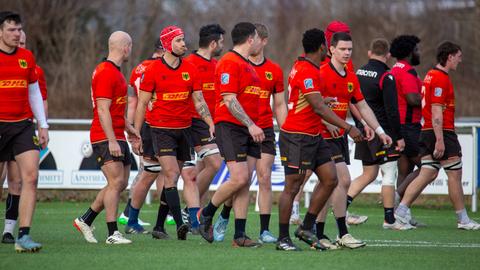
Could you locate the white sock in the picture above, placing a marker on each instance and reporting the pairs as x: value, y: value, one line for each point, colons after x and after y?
x: 462, y: 216
x: 9, y: 226
x: 402, y: 210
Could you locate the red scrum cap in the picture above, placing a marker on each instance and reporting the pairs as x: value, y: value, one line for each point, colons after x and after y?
x: 168, y: 34
x: 334, y: 27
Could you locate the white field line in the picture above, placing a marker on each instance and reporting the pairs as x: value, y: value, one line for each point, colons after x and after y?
x: 403, y: 243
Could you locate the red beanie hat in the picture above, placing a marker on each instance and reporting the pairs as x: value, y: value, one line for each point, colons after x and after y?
x: 168, y: 34
x: 334, y: 27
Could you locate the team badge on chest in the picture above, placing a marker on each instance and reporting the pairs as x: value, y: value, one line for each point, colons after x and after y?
x: 268, y: 75
x: 185, y: 76
x: 350, y: 87
x: 22, y: 63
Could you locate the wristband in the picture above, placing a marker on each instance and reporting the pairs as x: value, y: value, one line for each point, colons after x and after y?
x: 379, y: 130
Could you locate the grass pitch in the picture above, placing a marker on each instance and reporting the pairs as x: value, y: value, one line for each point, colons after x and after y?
x: 438, y: 246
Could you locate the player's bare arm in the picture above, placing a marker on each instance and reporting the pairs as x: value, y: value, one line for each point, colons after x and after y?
x: 369, y: 117
x: 437, y: 123
x: 316, y: 101
x: 239, y: 113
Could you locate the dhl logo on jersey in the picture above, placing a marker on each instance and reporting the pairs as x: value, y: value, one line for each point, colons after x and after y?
x: 264, y: 94
x: 339, y: 106
x: 254, y: 90
x: 350, y: 87
x: 121, y: 100
x: 175, y: 96
x: 185, y: 76
x: 13, y: 83
x: 268, y: 75
x: 23, y: 63
x: 208, y: 86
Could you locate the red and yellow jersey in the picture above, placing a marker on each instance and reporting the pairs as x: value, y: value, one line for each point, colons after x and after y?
x: 137, y: 73
x: 235, y: 75
x: 172, y: 90
x: 206, y: 76
x: 304, y: 79
x: 407, y: 81
x: 42, y: 83
x: 344, y: 88
x: 271, y: 79
x: 136, y: 76
x: 17, y: 71
x: 438, y: 89
x: 108, y: 83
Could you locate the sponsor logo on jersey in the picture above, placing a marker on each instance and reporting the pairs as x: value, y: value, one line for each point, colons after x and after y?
x: 308, y: 83
x: 339, y: 106
x: 175, y: 96
x: 12, y: 83
x: 438, y: 92
x: 254, y: 90
x: 208, y: 86
x: 23, y: 63
x: 350, y: 87
x: 268, y: 75
x: 185, y: 76
x: 264, y: 94
x: 225, y: 78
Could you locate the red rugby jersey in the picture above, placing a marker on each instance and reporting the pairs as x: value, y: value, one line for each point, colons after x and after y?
x: 438, y: 89
x: 135, y: 78
x: 108, y: 83
x: 407, y: 81
x: 235, y: 75
x: 172, y: 90
x: 17, y: 71
x: 42, y: 82
x: 206, y: 76
x: 271, y: 78
x: 345, y: 89
x: 304, y: 79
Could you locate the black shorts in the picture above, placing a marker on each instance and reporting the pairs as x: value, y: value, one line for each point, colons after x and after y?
x: 303, y: 152
x: 17, y: 138
x: 147, y: 143
x: 235, y: 142
x: 411, y: 135
x: 339, y: 149
x: 172, y: 142
x: 268, y: 145
x: 450, y: 139
x: 373, y: 152
x: 200, y: 133
x: 102, y: 154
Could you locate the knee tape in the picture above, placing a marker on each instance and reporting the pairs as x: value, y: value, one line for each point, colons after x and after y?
x: 188, y: 164
x: 151, y: 167
x: 431, y: 164
x: 389, y: 173
x: 453, y: 166
x: 205, y: 152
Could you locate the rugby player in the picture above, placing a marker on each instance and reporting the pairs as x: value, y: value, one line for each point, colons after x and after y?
x: 439, y: 146
x: 301, y: 146
x: 342, y: 85
x: 20, y: 100
x: 14, y: 180
x: 209, y: 161
x: 173, y: 84
x: 238, y: 137
x: 271, y: 78
x: 379, y: 89
x: 109, y: 98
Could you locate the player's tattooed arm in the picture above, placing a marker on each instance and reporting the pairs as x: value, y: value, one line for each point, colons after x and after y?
x: 237, y: 110
x: 201, y: 106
